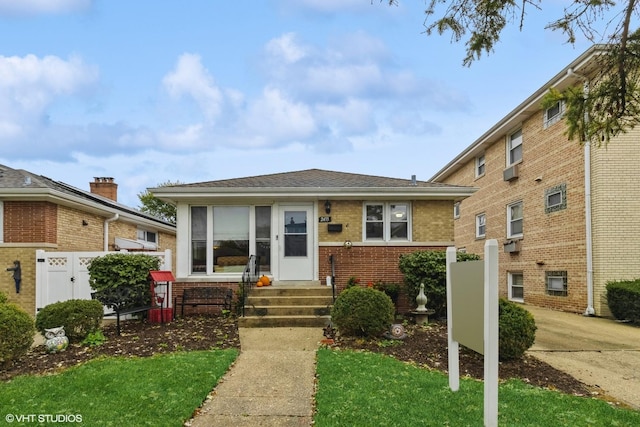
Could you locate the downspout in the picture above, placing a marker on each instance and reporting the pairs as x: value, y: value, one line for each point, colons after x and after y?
x: 106, y: 230
x: 589, y: 311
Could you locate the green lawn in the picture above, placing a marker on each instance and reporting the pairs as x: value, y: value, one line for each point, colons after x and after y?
x: 367, y: 389
x: 162, y: 390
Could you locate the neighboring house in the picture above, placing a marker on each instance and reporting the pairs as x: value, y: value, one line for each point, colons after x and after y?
x: 567, y: 214
x: 298, y: 222
x: 38, y: 213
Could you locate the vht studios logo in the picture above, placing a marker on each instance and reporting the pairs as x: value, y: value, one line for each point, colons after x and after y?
x: 43, y: 418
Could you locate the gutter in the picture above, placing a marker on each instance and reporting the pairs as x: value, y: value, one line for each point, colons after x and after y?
x: 106, y: 230
x: 589, y: 311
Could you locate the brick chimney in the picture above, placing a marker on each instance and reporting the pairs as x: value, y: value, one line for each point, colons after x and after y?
x: 104, y: 187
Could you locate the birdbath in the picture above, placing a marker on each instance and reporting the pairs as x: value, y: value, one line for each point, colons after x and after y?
x: 421, y: 314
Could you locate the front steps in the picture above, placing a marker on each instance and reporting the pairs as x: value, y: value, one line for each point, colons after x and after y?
x: 298, y: 306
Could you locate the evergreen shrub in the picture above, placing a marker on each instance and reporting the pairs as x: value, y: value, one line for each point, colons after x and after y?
x: 364, y: 312
x: 16, y: 333
x: 79, y: 318
x: 623, y: 298
x: 517, y: 330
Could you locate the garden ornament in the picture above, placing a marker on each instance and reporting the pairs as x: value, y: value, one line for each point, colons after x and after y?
x: 17, y: 274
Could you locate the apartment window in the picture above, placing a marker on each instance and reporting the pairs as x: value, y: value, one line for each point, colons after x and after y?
x: 555, y: 198
x: 556, y: 283
x: 514, y: 148
x: 386, y: 221
x: 480, y: 226
x: 456, y: 210
x: 516, y: 286
x: 480, y: 166
x: 230, y: 238
x: 514, y: 220
x: 553, y: 114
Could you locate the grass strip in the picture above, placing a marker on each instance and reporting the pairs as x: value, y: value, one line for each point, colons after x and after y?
x: 162, y: 390
x: 358, y: 388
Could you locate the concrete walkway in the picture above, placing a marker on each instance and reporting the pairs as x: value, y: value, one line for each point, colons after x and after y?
x: 272, y: 382
x: 600, y: 352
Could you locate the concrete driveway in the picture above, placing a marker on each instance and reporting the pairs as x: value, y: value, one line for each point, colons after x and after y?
x: 600, y: 352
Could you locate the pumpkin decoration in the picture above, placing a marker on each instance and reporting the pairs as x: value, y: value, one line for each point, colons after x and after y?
x: 265, y: 281
x: 259, y: 283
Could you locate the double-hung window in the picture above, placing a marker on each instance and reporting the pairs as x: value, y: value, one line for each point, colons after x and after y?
x: 514, y: 220
x: 481, y: 225
x: 480, y: 166
x: 514, y: 147
x: 516, y: 286
x: 386, y: 221
x: 147, y: 236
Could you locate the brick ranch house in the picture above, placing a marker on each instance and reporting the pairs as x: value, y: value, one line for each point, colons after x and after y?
x: 567, y: 214
x: 38, y: 213
x: 296, y: 222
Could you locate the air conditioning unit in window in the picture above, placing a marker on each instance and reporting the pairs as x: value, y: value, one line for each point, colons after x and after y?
x: 512, y: 246
x: 510, y: 173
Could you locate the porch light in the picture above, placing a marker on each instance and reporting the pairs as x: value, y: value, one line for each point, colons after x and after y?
x: 327, y: 207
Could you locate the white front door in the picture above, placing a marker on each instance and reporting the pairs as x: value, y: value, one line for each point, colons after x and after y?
x: 295, y: 242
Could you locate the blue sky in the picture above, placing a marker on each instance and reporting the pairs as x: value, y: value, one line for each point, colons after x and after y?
x: 154, y: 91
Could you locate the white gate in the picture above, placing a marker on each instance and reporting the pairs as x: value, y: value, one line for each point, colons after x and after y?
x: 61, y: 276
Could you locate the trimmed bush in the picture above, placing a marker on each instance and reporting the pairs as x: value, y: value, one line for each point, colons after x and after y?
x: 16, y: 333
x: 122, y: 279
x: 362, y: 312
x: 430, y: 268
x: 517, y: 330
x: 3, y: 298
x: 79, y: 318
x: 623, y: 298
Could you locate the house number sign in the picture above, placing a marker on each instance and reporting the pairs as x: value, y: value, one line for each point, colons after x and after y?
x: 325, y: 219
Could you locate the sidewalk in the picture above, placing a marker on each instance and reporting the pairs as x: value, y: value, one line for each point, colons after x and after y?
x: 271, y: 383
x: 599, y: 352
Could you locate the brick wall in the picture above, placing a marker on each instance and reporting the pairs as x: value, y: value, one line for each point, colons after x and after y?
x: 178, y: 289
x: 369, y: 264
x: 29, y: 222
x: 552, y: 241
x: 616, y: 213
x: 26, y: 299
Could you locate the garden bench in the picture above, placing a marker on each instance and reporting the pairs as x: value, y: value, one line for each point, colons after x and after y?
x: 221, y: 297
x: 116, y: 299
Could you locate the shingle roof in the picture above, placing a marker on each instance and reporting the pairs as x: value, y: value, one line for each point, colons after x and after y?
x: 312, y: 178
x: 20, y: 181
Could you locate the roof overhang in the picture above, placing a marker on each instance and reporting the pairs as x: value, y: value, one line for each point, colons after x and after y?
x: 76, y: 202
x: 571, y: 75
x: 228, y: 195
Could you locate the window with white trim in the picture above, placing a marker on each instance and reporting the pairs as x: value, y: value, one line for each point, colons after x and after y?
x: 481, y: 225
x: 514, y: 220
x: 480, y: 166
x: 556, y: 283
x: 514, y: 147
x: 386, y: 221
x: 516, y: 286
x: 555, y: 198
x: 553, y: 114
x: 456, y: 210
x: 222, y: 237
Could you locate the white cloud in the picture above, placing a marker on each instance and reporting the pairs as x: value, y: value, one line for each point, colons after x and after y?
x: 328, y: 6
x: 286, y: 49
x: 29, y: 85
x: 273, y: 119
x: 352, y: 116
x: 191, y: 79
x: 36, y: 7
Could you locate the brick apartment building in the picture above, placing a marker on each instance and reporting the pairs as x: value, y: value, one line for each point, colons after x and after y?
x: 567, y: 215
